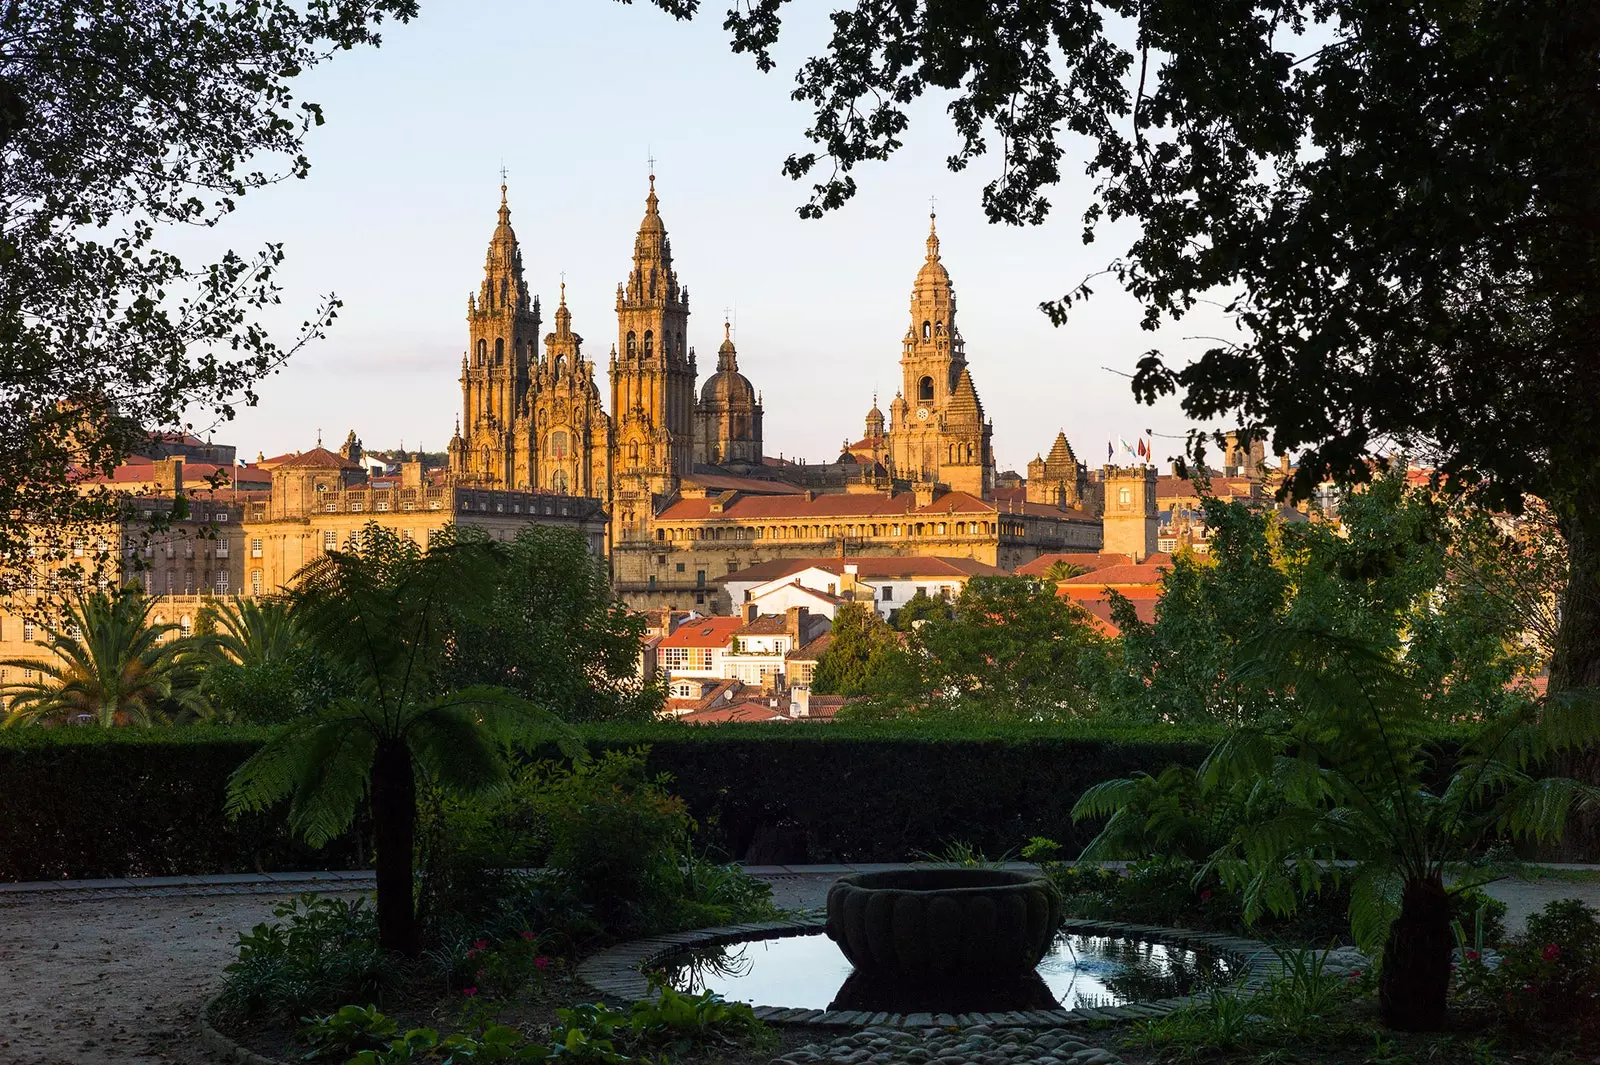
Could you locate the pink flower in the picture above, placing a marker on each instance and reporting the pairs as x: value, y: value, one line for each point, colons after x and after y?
x: 1205, y: 896
x: 1472, y: 955
x: 481, y: 944
x: 1551, y: 952
x: 541, y: 963
x: 469, y: 991
x: 529, y: 936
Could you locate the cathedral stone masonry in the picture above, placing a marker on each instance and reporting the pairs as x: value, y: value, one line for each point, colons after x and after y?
x: 690, y: 495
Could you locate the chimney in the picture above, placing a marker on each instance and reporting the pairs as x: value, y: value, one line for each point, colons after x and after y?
x: 794, y: 623
x: 751, y: 612
x: 411, y: 474
x: 167, y: 475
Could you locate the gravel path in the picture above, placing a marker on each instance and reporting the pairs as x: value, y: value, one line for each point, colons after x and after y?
x: 115, y: 977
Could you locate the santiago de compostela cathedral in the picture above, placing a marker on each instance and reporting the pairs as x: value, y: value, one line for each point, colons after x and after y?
x: 682, y: 472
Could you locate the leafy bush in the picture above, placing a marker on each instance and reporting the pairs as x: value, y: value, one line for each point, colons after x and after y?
x: 676, y: 1021
x: 616, y: 833
x: 1551, y: 973
x: 319, y: 952
x: 346, y: 1031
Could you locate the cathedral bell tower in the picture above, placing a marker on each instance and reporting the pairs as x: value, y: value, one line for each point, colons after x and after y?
x: 652, y: 374
x: 503, y: 329
x: 937, y: 429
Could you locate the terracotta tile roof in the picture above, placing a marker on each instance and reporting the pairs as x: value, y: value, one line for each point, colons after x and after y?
x: 765, y: 625
x: 1148, y: 574
x: 719, y: 715
x: 1086, y: 560
x: 1221, y: 487
x: 703, y: 632
x: 319, y: 458
x: 824, y: 707
x: 1099, y: 607
x: 811, y: 651
x: 869, y: 567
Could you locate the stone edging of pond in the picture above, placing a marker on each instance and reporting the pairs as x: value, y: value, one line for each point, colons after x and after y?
x: 221, y: 1045
x: 617, y: 974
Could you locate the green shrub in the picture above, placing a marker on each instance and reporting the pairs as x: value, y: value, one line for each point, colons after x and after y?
x: 1551, y: 973
x: 345, y: 1031
x: 616, y: 833
x: 320, y: 952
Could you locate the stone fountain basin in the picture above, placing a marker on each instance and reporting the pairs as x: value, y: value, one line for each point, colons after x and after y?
x: 944, y: 925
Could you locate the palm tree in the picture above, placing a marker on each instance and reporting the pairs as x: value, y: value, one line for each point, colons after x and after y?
x: 111, y: 665
x: 1352, y: 777
x: 251, y: 632
x: 1061, y: 570
x: 385, y: 614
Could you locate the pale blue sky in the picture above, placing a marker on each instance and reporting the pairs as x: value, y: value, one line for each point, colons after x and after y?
x: 572, y: 97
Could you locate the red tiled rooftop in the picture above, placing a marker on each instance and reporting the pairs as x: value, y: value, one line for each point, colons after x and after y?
x: 1086, y: 560
x: 1148, y: 574
x: 703, y: 632
x: 874, y: 505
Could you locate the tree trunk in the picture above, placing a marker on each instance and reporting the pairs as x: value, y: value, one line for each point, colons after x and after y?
x: 1576, y: 664
x: 1415, y: 978
x: 394, y: 823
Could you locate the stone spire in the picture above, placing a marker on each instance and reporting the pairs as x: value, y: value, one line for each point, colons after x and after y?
x: 503, y: 287
x: 965, y: 407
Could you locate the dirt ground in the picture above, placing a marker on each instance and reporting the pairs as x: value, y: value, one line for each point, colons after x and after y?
x: 109, y: 979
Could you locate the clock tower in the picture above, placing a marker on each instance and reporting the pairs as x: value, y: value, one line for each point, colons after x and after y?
x: 937, y: 430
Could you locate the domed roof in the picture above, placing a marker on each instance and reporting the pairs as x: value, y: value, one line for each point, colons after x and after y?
x: 652, y: 216
x: 728, y: 387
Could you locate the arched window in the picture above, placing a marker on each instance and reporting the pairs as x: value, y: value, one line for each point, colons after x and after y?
x: 666, y: 345
x: 927, y: 330
x: 649, y: 343
x: 925, y: 389
x: 558, y: 444
x: 561, y: 365
x: 652, y: 283
x: 633, y: 452
x: 483, y: 348
x: 499, y: 351
x: 559, y: 482
x: 951, y: 451
x: 938, y: 328
x: 633, y: 344
x: 681, y: 349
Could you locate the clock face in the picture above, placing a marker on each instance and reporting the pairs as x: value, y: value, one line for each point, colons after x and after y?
x: 922, y: 414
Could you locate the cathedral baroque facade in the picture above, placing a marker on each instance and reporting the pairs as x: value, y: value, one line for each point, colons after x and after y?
x: 689, y: 494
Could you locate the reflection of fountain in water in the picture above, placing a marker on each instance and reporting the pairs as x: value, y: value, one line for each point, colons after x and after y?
x: 1080, y: 971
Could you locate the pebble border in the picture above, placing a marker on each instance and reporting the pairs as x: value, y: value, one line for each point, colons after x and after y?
x: 617, y: 975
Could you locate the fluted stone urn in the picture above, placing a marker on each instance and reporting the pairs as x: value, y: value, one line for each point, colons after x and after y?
x: 944, y: 925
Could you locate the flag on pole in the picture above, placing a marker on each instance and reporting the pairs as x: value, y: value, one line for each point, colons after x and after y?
x: 1110, y: 451
x: 1126, y: 447
x: 1144, y: 449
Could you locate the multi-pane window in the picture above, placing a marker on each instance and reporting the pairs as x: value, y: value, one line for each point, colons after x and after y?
x: 222, y: 581
x: 27, y: 632
x: 255, y: 547
x: 222, y: 547
x: 255, y: 582
x: 330, y: 540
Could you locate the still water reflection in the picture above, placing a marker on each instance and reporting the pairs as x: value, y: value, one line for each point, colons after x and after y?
x: 808, y: 972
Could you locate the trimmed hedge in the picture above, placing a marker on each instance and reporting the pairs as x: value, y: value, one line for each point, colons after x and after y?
x: 86, y: 803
